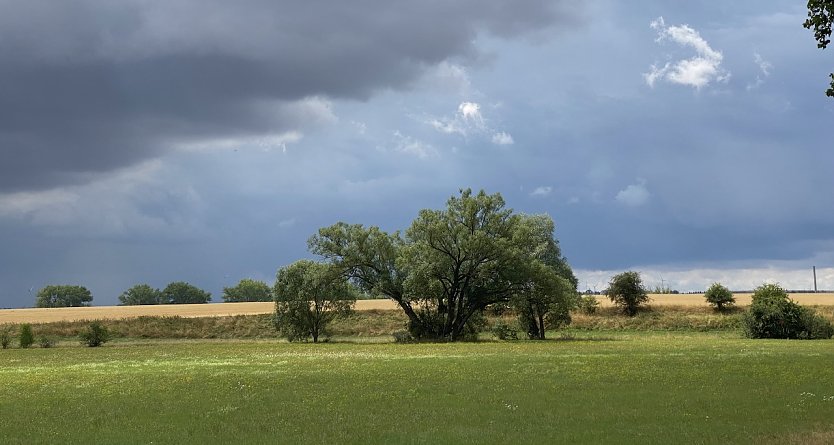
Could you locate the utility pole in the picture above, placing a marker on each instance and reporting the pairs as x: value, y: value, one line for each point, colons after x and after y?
x: 814, y: 268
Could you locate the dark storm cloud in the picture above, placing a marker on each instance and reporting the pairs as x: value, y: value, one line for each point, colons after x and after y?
x: 88, y: 86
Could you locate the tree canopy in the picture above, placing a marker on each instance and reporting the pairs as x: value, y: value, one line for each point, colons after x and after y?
x: 140, y: 294
x: 821, y: 18
x: 63, y: 296
x: 308, y: 296
x: 451, y: 263
x: 627, y: 291
x: 247, y: 290
x: 180, y: 292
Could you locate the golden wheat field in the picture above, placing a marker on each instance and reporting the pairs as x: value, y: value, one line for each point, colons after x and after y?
x: 47, y: 315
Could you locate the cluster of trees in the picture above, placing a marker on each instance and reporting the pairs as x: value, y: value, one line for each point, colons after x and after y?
x: 447, y: 268
x: 178, y: 292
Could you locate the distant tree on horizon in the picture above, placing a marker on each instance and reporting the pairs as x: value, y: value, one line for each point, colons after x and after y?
x: 63, y: 296
x: 180, y: 292
x: 247, y: 290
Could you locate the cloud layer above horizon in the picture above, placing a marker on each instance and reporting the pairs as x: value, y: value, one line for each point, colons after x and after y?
x: 204, y: 141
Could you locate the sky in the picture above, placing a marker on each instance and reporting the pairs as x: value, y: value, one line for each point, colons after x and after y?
x: 206, y: 141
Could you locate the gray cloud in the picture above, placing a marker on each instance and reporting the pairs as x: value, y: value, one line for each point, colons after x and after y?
x: 89, y: 86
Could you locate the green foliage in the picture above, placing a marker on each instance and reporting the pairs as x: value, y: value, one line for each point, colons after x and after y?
x: 820, y: 18
x: 773, y: 315
x: 180, y: 292
x: 450, y: 265
x: 719, y: 297
x: 402, y: 336
x: 45, y: 342
x: 247, y: 290
x: 308, y: 296
x: 5, y: 337
x: 26, y: 338
x: 503, y: 331
x: 140, y: 294
x: 626, y: 291
x: 588, y: 304
x: 63, y: 296
x: 95, y: 335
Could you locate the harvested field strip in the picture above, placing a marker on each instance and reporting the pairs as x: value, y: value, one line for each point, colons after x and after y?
x: 49, y: 315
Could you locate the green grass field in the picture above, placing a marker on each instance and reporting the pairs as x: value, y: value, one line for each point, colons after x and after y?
x: 615, y: 388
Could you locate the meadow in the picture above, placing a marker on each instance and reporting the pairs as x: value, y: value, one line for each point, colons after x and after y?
x: 601, y: 387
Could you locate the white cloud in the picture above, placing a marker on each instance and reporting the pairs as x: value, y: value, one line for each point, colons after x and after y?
x: 634, y: 195
x: 542, y: 191
x: 697, y: 71
x: 411, y: 146
x: 502, y: 138
x: 470, y: 121
x: 764, y: 71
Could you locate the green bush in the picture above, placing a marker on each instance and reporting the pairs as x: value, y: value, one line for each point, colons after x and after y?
x: 45, y: 342
x: 773, y: 315
x: 95, y: 335
x: 5, y: 337
x: 26, y: 337
x: 588, y: 304
x: 503, y: 331
x: 402, y: 336
x: 719, y: 297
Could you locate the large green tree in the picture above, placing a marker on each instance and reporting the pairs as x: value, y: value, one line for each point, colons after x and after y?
x: 180, y: 292
x: 449, y: 265
x: 821, y: 18
x: 308, y: 296
x: 140, y: 294
x: 63, y: 296
x: 247, y: 290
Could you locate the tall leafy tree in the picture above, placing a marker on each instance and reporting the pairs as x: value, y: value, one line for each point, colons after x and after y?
x: 247, y: 290
x: 821, y: 18
x: 180, y: 292
x: 140, y: 294
x: 449, y: 266
x: 63, y: 296
x: 308, y: 296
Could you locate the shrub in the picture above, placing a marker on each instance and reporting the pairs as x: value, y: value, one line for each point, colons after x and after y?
x: 773, y: 315
x: 503, y: 331
x: 588, y: 304
x: 719, y: 297
x: 5, y: 337
x: 626, y: 291
x: 45, y: 342
x: 402, y: 336
x: 26, y: 337
x: 95, y: 335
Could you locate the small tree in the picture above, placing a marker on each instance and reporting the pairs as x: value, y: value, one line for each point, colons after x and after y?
x: 63, y: 296
x: 247, y: 290
x: 626, y: 291
x: 308, y: 296
x: 95, y: 335
x: 180, y: 292
x: 719, y: 297
x: 140, y: 294
x: 546, y: 303
x: 26, y: 337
